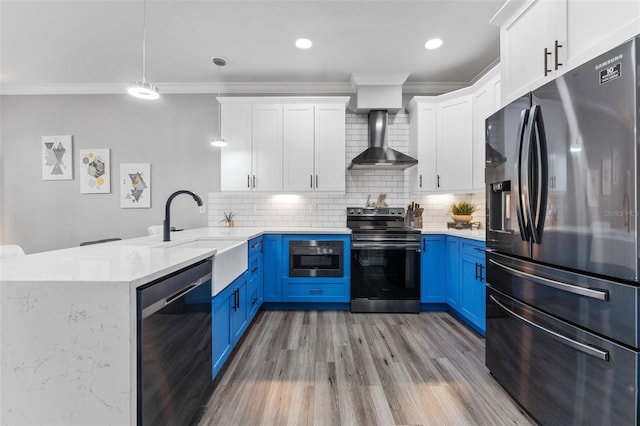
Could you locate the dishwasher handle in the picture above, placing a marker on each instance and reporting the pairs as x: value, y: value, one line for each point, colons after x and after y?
x: 155, y: 307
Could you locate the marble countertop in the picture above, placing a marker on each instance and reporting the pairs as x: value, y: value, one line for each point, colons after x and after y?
x: 134, y: 261
x: 473, y: 234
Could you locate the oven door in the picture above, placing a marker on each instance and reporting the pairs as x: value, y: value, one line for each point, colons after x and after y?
x: 383, y: 271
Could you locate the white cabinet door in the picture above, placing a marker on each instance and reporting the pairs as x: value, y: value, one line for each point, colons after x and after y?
x: 425, y: 130
x: 454, y: 147
x: 267, y: 147
x: 523, y: 44
x: 330, y: 151
x: 298, y: 136
x: 484, y: 104
x: 595, y: 26
x: 235, y: 159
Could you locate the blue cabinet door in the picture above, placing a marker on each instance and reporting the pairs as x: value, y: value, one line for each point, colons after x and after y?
x: 472, y: 283
x: 433, y: 271
x: 471, y: 290
x: 239, y: 307
x: 272, y: 268
x: 221, y: 329
x: 453, y: 272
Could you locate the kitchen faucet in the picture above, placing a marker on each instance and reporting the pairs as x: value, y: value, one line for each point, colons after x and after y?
x: 167, y: 213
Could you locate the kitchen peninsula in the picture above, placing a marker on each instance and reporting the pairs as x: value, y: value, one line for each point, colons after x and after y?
x: 68, y: 321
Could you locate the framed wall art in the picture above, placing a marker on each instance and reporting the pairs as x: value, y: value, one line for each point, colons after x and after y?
x: 57, y: 158
x: 135, y: 186
x: 94, y: 171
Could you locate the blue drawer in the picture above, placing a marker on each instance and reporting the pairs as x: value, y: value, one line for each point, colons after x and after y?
x: 297, y: 291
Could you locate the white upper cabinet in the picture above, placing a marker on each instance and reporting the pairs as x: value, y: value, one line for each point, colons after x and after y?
x: 283, y: 143
x: 423, y: 125
x: 532, y: 45
x: 542, y: 39
x: 486, y: 101
x: 298, y: 147
x: 447, y: 132
x: 329, y: 149
x: 235, y: 164
x: 267, y: 147
x: 454, y: 144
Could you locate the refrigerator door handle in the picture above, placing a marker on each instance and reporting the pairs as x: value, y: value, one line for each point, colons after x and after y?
x: 537, y: 213
x: 586, y: 349
x: 581, y: 291
x: 524, y: 232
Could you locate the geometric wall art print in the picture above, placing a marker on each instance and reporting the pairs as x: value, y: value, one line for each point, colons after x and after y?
x: 57, y: 158
x: 95, y: 176
x: 135, y: 186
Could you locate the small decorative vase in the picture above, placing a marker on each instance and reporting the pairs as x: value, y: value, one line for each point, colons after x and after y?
x: 230, y: 224
x: 461, y: 218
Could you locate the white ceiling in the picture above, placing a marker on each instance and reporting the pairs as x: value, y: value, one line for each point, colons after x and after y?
x: 86, y: 46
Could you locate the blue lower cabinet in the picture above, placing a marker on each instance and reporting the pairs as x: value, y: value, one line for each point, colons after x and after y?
x: 272, y: 268
x: 433, y: 270
x: 221, y: 328
x: 230, y: 319
x: 472, y: 284
x: 453, y: 272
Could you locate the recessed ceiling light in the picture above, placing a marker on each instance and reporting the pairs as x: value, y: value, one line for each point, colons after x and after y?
x: 303, y: 43
x: 434, y: 43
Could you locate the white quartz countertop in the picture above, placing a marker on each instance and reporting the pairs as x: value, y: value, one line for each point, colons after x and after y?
x: 472, y: 234
x: 135, y: 261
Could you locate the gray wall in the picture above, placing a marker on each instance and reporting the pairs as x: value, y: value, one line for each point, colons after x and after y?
x: 172, y: 134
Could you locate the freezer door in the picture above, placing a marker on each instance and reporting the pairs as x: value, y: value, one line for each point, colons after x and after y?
x: 590, y: 216
x: 607, y: 307
x: 560, y: 374
x: 504, y: 138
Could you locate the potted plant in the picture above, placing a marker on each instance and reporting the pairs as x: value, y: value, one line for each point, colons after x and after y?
x: 462, y: 211
x: 228, y: 218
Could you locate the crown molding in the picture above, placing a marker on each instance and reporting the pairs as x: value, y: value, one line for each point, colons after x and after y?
x: 230, y: 88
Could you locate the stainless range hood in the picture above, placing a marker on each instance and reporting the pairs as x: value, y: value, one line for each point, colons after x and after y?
x: 379, y: 155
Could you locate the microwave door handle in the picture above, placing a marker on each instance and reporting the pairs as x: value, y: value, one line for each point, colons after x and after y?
x: 579, y: 346
x: 541, y: 173
x: 524, y: 235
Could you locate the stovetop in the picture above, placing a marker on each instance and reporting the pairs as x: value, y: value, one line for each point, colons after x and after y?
x: 378, y: 220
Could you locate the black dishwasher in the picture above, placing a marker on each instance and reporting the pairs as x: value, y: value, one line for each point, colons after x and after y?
x: 174, y: 379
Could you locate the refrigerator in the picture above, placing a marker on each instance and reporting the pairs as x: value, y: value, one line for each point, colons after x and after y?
x: 562, y: 237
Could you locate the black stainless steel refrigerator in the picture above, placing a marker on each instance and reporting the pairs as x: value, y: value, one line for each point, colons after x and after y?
x: 562, y: 232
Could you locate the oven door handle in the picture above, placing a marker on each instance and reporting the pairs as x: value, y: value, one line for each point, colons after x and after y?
x: 386, y: 246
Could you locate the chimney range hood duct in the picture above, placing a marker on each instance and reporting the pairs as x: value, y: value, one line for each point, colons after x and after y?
x: 379, y: 155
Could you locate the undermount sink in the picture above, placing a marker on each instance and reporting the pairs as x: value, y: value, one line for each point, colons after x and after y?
x: 229, y: 263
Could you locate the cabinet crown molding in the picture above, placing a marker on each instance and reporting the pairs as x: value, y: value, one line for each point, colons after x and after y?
x: 283, y: 99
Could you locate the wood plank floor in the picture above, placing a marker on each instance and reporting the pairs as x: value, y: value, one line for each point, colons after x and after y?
x: 338, y: 368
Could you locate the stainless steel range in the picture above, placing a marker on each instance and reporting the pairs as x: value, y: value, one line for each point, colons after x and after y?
x: 385, y: 261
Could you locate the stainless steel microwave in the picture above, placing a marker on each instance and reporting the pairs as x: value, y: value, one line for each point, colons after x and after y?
x: 316, y: 258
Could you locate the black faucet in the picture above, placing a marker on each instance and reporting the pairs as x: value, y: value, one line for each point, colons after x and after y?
x: 165, y: 225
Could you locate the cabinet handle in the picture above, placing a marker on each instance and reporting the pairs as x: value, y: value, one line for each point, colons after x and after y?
x: 438, y: 182
x: 420, y: 181
x: 316, y: 181
x: 546, y: 60
x: 253, y: 302
x: 235, y: 301
x: 476, y: 278
x: 254, y: 269
x: 311, y: 181
x: 315, y: 290
x: 481, y: 272
x: 556, y: 47
x: 248, y: 181
x: 254, y: 181
x: 238, y: 294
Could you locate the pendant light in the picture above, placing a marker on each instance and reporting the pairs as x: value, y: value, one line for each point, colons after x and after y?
x: 142, y: 89
x: 219, y: 142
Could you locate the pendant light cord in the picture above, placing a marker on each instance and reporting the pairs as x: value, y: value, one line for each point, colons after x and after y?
x: 144, y: 39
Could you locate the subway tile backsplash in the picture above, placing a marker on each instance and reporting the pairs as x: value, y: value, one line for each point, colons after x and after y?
x: 319, y: 209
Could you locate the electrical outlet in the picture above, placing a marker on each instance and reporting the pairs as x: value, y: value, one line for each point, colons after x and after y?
x: 202, y: 209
